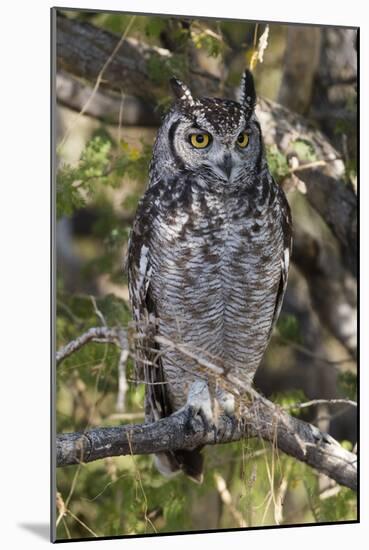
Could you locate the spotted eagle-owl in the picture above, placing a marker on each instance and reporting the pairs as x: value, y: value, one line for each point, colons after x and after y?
x: 208, y: 258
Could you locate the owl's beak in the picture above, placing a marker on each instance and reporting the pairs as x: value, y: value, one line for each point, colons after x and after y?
x: 226, y: 165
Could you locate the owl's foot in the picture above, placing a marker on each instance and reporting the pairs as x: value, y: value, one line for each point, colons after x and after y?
x: 226, y: 401
x: 199, y: 403
x: 227, y: 428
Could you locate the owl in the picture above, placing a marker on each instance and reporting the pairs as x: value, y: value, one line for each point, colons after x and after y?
x: 208, y: 259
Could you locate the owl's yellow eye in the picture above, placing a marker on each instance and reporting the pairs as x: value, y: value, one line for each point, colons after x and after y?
x: 200, y: 141
x: 243, y: 140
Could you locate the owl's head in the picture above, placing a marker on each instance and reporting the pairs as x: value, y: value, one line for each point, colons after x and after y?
x: 215, y: 138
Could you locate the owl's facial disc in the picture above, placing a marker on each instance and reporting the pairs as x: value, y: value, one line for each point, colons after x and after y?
x: 224, y: 156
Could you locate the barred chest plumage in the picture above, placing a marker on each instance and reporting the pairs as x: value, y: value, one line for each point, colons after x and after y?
x: 215, y: 256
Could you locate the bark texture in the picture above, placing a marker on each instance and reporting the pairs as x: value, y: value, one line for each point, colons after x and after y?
x: 261, y: 419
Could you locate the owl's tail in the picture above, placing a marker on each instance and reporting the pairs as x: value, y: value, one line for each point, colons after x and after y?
x: 158, y: 405
x: 189, y: 462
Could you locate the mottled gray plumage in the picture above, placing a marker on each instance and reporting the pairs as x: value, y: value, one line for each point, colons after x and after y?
x: 208, y: 254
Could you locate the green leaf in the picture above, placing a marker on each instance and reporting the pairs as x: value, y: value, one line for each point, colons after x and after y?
x: 347, y: 382
x: 97, y: 167
x: 71, y: 182
x: 277, y: 162
x: 346, y: 445
x: 288, y: 398
x: 116, y: 312
x: 155, y: 26
x: 339, y: 507
x: 161, y: 69
x: 288, y: 327
x: 212, y: 44
x: 304, y: 150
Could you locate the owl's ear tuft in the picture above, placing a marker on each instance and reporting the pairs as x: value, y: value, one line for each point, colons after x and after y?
x: 247, y: 91
x: 182, y: 92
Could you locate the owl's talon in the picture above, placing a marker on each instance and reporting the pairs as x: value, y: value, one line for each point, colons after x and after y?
x: 199, y: 403
x: 228, y: 427
x: 226, y: 401
x: 190, y: 415
x: 220, y: 432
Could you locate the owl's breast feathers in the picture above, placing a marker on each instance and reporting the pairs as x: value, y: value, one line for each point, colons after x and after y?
x: 207, y: 268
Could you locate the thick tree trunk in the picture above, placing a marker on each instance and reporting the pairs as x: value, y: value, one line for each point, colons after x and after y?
x: 300, y: 62
x: 334, y: 98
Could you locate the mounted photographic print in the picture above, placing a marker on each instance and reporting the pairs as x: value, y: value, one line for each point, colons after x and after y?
x: 205, y: 265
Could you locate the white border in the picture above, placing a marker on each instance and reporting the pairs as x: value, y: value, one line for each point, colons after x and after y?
x: 25, y: 198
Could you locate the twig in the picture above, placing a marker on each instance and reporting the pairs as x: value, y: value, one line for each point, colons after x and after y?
x: 190, y: 354
x: 62, y: 509
x: 314, y: 402
x: 226, y: 498
x: 126, y: 417
x: 122, y: 381
x: 258, y: 53
x: 98, y: 334
x: 120, y: 116
x: 330, y: 492
x: 97, y: 311
x: 138, y: 478
x: 308, y: 353
x: 314, y: 164
x: 281, y: 494
x: 98, y: 81
x: 65, y: 511
x: 82, y: 523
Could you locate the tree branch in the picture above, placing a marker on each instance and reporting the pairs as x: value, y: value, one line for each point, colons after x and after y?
x: 332, y: 291
x: 105, y: 105
x: 315, y: 402
x: 102, y: 335
x: 327, y: 188
x: 82, y: 49
x: 259, y: 417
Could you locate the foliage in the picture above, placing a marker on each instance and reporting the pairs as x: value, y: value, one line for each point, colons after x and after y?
x: 98, y: 166
x: 277, y: 162
x: 289, y: 398
x: 288, y: 328
x: 347, y: 382
x: 210, y: 42
x: 161, y: 71
x: 127, y: 495
x: 304, y: 150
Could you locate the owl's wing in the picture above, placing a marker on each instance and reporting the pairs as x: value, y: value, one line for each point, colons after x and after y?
x: 148, y: 366
x: 287, y: 250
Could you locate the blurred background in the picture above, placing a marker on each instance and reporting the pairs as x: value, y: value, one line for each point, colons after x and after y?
x: 107, y: 113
